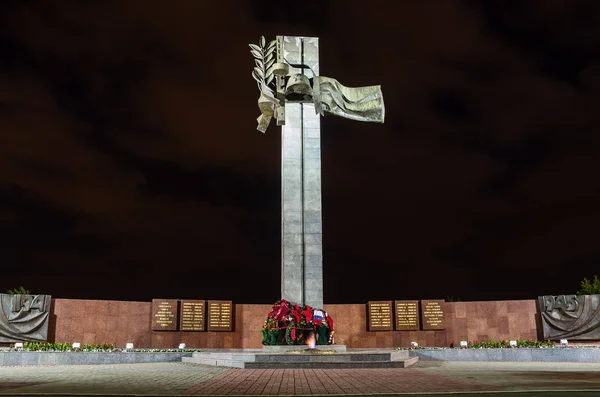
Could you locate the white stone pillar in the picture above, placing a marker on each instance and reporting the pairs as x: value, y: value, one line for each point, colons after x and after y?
x: 301, y: 225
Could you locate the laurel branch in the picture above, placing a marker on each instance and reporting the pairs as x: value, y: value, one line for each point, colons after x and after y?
x: 264, y: 58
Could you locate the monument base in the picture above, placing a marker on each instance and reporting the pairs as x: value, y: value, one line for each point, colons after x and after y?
x: 283, y: 348
x: 380, y: 358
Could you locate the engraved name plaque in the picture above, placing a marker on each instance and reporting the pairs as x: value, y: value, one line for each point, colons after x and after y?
x: 191, y: 315
x: 380, y: 316
x: 220, y: 316
x: 432, y: 314
x: 407, y: 315
x: 164, y: 314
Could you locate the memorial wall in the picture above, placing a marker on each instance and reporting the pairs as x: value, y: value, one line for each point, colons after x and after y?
x: 165, y: 323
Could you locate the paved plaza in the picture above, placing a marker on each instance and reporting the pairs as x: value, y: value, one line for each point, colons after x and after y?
x: 166, y: 379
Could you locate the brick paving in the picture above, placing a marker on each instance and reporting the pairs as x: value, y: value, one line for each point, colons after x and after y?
x: 329, y: 381
x: 150, y: 378
x: 179, y: 379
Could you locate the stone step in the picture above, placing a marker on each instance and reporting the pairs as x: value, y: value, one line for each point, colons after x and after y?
x: 215, y: 362
x: 225, y: 356
x: 360, y: 359
x: 332, y: 365
x: 338, y: 357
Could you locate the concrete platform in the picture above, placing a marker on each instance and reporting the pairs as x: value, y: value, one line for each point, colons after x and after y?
x: 87, y: 358
x: 343, y: 360
x: 568, y: 354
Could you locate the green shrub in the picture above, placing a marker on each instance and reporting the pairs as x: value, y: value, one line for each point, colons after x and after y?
x: 501, y: 344
x: 451, y: 298
x: 18, y: 291
x: 589, y: 287
x: 88, y: 347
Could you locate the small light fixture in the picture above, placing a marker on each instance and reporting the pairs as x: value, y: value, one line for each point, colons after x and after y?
x: 463, y: 344
x: 181, y: 346
x: 414, y: 344
x: 564, y: 342
x: 18, y: 345
x: 512, y: 343
x: 76, y: 345
x: 129, y: 346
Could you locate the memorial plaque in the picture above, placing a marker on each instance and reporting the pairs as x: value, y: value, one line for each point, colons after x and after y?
x: 407, y: 315
x: 220, y: 316
x: 380, y: 316
x: 191, y: 315
x: 570, y: 316
x: 164, y: 314
x: 432, y: 314
x: 24, y: 317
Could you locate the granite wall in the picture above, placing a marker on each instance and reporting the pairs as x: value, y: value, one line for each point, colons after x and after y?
x: 97, y: 321
x: 478, y: 321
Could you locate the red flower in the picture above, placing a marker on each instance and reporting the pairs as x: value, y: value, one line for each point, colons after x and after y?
x: 296, y: 314
x: 330, y: 322
x: 308, y: 314
x: 281, y: 311
x: 293, y: 334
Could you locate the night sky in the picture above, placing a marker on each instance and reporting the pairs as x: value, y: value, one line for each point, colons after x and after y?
x: 131, y: 167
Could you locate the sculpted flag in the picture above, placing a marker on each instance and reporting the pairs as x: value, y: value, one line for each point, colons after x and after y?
x: 362, y: 103
x: 24, y: 317
x: 277, y: 83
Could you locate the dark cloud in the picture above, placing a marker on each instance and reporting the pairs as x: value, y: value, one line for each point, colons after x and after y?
x: 561, y: 37
x: 129, y: 148
x: 217, y: 186
x: 516, y: 160
x: 311, y: 14
x: 451, y: 105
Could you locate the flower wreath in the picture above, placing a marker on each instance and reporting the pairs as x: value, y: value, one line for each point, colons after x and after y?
x: 291, y: 324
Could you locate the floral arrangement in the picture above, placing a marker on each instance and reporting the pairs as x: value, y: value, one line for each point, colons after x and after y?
x: 89, y: 348
x: 493, y: 344
x: 292, y: 324
x: 501, y: 344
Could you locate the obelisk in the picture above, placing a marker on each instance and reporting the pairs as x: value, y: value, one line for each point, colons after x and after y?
x: 301, y: 224
x: 287, y: 73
